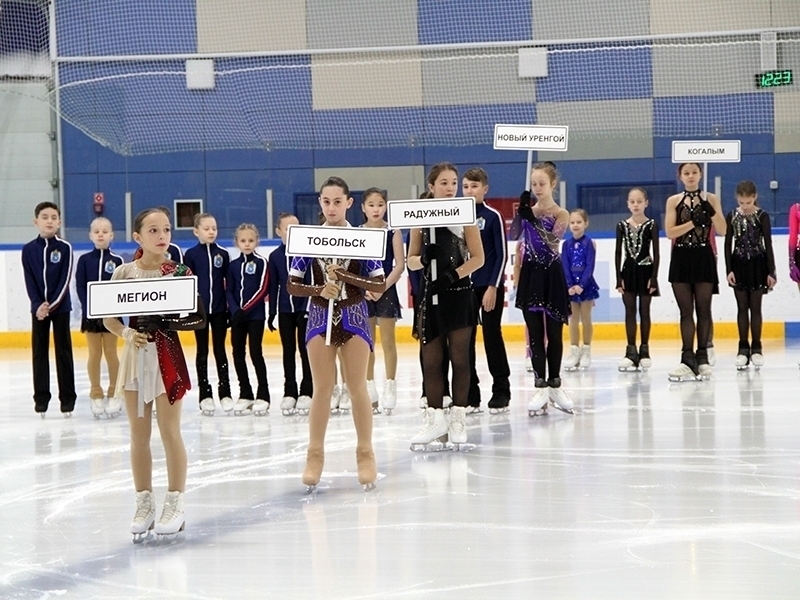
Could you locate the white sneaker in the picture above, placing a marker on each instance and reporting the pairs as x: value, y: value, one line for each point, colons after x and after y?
x: 573, y: 358
x: 389, y: 400
x: 145, y: 515
x: 345, y: 403
x: 303, y: 405
x: 373, y: 393
x: 586, y: 357
x: 434, y: 427
x: 172, y: 518
x: 114, y: 407
x: 260, y: 407
x: 242, y: 406
x: 457, y: 427
x: 712, y: 356
x: 560, y: 400
x: 98, y: 407
x: 757, y: 360
x: 538, y: 401
x: 227, y: 404
x: 208, y: 407
x: 287, y: 405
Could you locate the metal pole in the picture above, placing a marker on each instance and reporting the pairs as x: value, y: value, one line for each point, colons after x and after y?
x: 528, y: 168
x: 57, y: 108
x: 128, y: 216
x: 270, y: 227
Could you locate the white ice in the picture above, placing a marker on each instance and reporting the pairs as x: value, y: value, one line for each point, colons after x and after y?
x: 653, y: 490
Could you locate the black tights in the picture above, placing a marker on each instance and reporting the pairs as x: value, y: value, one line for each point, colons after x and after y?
x: 629, y: 300
x: 749, y: 317
x: 547, y: 345
x: 691, y: 298
x: 456, y: 343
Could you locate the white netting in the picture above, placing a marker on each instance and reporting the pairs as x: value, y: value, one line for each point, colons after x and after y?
x: 366, y: 73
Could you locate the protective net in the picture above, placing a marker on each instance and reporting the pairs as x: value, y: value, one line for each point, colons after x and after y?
x: 312, y: 74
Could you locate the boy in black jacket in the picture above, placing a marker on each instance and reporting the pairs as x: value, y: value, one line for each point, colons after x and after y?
x: 47, y: 264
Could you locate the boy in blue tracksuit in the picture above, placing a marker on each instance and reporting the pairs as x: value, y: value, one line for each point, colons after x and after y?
x: 292, y: 313
x: 488, y: 283
x: 47, y: 265
x: 246, y: 294
x: 210, y: 263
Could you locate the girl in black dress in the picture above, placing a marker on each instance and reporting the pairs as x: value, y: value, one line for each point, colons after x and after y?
x: 750, y: 265
x: 688, y: 218
x: 636, y: 260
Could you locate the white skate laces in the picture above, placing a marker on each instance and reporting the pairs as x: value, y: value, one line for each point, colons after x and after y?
x: 389, y: 400
x: 457, y: 428
x: 145, y: 515
x: 172, y: 516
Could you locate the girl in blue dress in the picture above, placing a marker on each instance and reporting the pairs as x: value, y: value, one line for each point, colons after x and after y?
x: 578, y: 257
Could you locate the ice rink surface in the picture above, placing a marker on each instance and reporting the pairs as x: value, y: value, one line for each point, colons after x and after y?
x: 653, y: 490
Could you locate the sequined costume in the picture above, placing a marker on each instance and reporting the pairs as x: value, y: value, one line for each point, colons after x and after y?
x: 388, y: 305
x: 349, y: 311
x: 748, y: 249
x: 636, y: 257
x: 137, y: 366
x: 577, y: 258
x: 692, y: 259
x: 456, y: 308
x: 794, y: 243
x: 542, y: 285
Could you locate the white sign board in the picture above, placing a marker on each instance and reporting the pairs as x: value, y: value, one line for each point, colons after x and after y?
x: 431, y: 212
x: 706, y: 151
x: 336, y: 242
x: 152, y: 296
x: 531, y: 137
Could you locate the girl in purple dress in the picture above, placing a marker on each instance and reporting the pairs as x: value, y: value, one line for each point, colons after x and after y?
x: 346, y: 282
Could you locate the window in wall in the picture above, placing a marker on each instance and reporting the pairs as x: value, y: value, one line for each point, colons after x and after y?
x: 184, y: 212
x: 607, y: 204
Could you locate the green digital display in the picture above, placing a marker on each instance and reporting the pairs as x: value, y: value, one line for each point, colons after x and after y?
x: 772, y: 79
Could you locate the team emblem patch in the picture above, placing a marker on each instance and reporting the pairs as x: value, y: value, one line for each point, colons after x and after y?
x: 250, y: 268
x: 55, y: 257
x: 218, y: 261
x: 110, y: 266
x: 481, y: 223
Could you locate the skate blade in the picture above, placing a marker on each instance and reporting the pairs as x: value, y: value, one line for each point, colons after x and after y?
x: 287, y: 412
x: 388, y: 411
x: 474, y: 410
x: 570, y: 369
x: 539, y: 412
x: 260, y: 413
x: 430, y: 447
x: 310, y: 489
x: 368, y: 487
x: 140, y: 538
x: 569, y: 411
x: 498, y: 411
x: 460, y: 447
x: 744, y: 368
x: 208, y: 413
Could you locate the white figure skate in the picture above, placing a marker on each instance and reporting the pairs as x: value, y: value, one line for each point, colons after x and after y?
x: 389, y: 400
x: 243, y: 406
x: 303, y: 405
x: 433, y: 434
x: 537, y: 405
x: 98, y: 407
x: 173, y: 519
x: 208, y: 407
x: 559, y: 398
x: 145, y: 516
x: 260, y: 408
x: 114, y: 407
x: 288, y: 406
x: 373, y: 396
x: 457, y: 428
x: 585, y: 360
x: 573, y: 359
x: 227, y: 404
